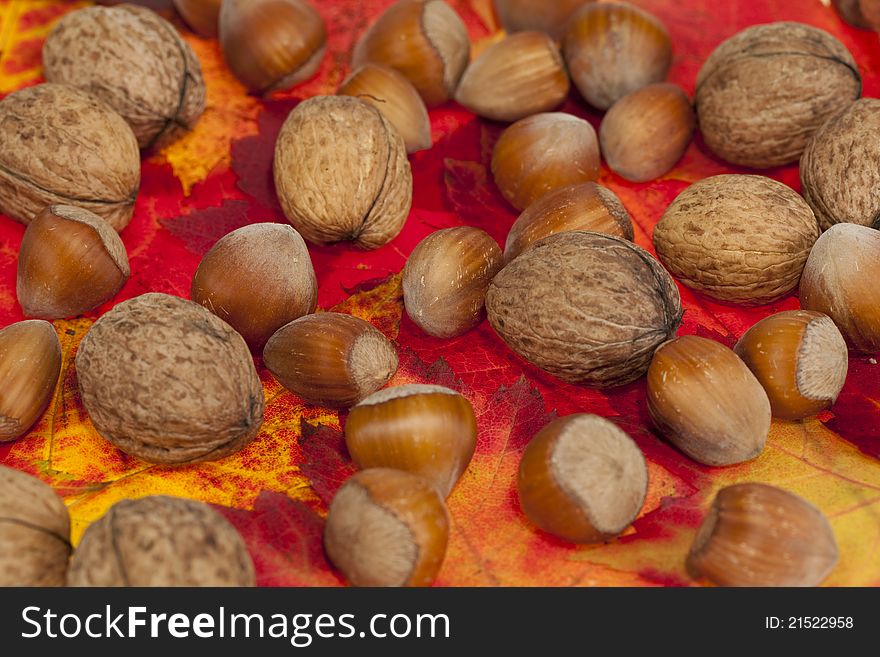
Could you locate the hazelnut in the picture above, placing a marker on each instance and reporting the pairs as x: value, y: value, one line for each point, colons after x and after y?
x: 521, y: 75
x: 541, y: 153
x: 538, y: 15
x: 705, y: 400
x: 840, y: 168
x: 613, y: 49
x: 330, y: 359
x: 423, y: 39
x: 800, y: 358
x: 136, y: 62
x: 257, y: 278
x: 586, y: 307
x: 70, y: 261
x: 427, y: 430
x: 851, y: 12
x: 393, y: 95
x: 271, y: 45
x: 34, y: 532
x: 326, y: 143
x: 166, y: 381
x: 582, y: 479
x: 387, y: 528
x: 586, y: 206
x: 30, y: 363
x: 840, y: 280
x: 736, y: 238
x: 60, y: 145
x: 763, y: 92
x: 446, y: 277
x: 646, y: 132
x: 760, y: 535
x: 161, y: 541
x: 201, y: 15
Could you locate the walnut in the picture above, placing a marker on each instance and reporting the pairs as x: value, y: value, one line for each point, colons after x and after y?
x: 736, y: 238
x: 341, y: 172
x: 165, y: 380
x: 840, y: 169
x: 763, y: 92
x: 586, y: 307
x: 34, y: 532
x: 161, y: 541
x: 136, y: 62
x: 60, y: 145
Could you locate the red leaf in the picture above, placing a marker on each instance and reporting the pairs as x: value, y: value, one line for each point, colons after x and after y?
x: 325, y: 459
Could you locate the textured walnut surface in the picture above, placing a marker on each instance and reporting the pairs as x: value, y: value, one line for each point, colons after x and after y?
x: 60, y: 145
x: 165, y: 380
x: 161, y: 541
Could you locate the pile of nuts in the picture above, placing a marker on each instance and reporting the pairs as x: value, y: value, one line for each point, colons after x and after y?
x: 173, y: 381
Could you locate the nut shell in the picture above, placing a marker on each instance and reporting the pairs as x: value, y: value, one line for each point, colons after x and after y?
x: 135, y: 61
x: 165, y: 380
x: 763, y: 92
x: 202, y: 16
x: 34, y: 532
x: 613, y: 49
x: 521, y: 75
x: 705, y: 400
x: 736, y: 238
x: 387, y: 528
x: 331, y: 359
x: 840, y: 168
x: 760, y: 535
x: 161, y: 541
x: 257, y: 278
x: 549, y: 17
x: 30, y: 363
x: 542, y: 153
x: 586, y: 307
x: 446, y: 277
x: 70, y: 262
x: 326, y: 143
x: 60, y: 145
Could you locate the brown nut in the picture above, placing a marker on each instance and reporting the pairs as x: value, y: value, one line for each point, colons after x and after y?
x: 736, y: 238
x: 762, y: 93
x: 583, y: 479
x: 30, y: 363
x: 60, y: 145
x: 393, y: 95
x: 587, y: 206
x: 705, y: 400
x: 800, y: 358
x: 613, y: 49
x: 851, y: 12
x: 840, y: 168
x: 133, y: 60
x: 541, y: 153
x: 538, y: 15
x: 586, y: 307
x: 166, y: 381
x: 161, y: 541
x: 34, y: 532
x: 760, y: 535
x: 325, y: 144
x: 271, y: 45
x: 427, y: 430
x: 521, y: 75
x: 423, y: 39
x: 646, y: 132
x: 387, y: 528
x: 257, y: 278
x: 70, y: 261
x: 330, y: 359
x: 446, y: 277
x: 201, y: 15
x: 840, y: 280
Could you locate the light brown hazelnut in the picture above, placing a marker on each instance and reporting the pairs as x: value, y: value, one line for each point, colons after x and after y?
x: 201, y: 15
x: 538, y: 15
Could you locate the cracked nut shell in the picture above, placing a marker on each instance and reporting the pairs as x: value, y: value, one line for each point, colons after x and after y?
x: 165, y: 380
